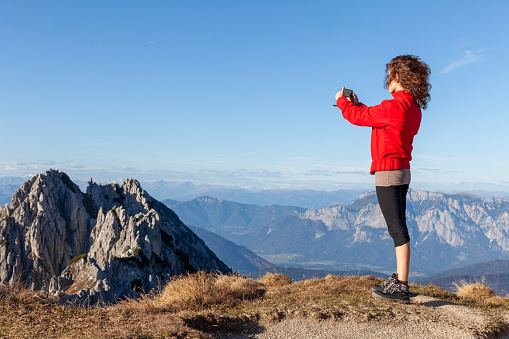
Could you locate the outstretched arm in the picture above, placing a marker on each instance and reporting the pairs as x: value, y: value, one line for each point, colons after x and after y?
x: 341, y: 94
x: 362, y: 115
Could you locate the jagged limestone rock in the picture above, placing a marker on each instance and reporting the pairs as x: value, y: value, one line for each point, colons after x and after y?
x: 128, y: 242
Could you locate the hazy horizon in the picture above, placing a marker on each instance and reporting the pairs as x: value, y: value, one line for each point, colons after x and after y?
x: 474, y: 188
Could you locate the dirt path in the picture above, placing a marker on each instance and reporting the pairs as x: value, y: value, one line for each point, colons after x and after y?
x: 311, y: 329
x: 435, y: 319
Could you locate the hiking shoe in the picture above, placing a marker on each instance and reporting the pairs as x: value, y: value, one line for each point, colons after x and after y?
x: 396, y: 291
x: 386, y: 283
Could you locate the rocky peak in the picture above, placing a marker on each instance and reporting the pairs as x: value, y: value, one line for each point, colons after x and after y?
x: 124, y: 239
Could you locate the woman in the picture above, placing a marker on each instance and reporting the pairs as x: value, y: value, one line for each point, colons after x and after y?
x: 394, y: 124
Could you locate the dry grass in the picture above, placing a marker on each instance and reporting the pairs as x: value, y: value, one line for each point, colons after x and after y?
x: 475, y: 291
x: 202, y: 289
x: 29, y: 314
x: 478, y: 292
x: 202, y: 304
x: 275, y: 280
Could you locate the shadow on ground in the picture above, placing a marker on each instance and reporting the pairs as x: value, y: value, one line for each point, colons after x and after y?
x: 437, y: 303
x: 224, y: 326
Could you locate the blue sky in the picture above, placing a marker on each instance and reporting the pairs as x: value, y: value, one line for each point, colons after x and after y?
x: 241, y: 92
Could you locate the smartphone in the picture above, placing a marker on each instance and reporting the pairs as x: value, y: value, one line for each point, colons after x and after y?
x: 347, y: 93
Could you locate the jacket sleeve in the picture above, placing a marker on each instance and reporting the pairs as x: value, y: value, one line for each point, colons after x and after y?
x: 362, y: 115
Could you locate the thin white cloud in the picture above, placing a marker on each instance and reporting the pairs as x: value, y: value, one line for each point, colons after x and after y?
x: 23, y: 166
x: 130, y: 169
x: 468, y: 57
x: 331, y: 173
x: 244, y: 173
x: 462, y: 44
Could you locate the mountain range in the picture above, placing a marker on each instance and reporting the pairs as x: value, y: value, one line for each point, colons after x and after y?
x: 184, y: 191
x: 447, y: 231
x: 228, y: 218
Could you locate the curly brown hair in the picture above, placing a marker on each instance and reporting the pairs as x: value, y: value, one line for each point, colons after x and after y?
x: 413, y: 74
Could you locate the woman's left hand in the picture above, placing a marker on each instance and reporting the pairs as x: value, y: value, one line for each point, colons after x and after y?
x: 355, y: 100
x: 340, y: 93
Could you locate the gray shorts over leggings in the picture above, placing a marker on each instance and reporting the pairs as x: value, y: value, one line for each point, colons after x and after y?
x: 392, y: 201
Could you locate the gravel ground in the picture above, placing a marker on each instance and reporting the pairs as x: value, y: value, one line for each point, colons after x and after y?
x: 310, y: 328
x: 435, y: 319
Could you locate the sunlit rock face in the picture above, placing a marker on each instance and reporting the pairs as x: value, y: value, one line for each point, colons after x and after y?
x: 108, y: 243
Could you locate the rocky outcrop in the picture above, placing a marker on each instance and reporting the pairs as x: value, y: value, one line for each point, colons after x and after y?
x: 108, y: 243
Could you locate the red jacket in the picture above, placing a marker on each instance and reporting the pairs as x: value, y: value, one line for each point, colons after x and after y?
x: 394, y: 124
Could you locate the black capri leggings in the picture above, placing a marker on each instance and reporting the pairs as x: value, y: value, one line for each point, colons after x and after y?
x: 392, y: 201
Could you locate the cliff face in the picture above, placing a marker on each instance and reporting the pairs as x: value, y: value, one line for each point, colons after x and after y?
x: 105, y: 244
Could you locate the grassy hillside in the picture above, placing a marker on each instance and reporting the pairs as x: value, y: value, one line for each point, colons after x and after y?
x: 204, y: 305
